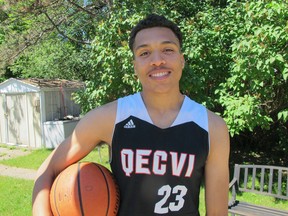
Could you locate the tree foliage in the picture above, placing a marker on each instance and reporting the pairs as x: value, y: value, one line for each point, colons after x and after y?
x: 45, y: 38
x: 235, y: 52
x: 255, y: 91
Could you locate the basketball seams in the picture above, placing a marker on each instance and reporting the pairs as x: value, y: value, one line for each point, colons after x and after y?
x: 54, y: 197
x: 110, y: 179
x: 116, y: 190
x: 107, y: 185
x: 79, y: 189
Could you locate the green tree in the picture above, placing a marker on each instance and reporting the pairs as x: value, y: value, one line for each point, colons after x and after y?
x: 53, y: 58
x: 34, y: 31
x: 255, y: 92
x: 235, y: 52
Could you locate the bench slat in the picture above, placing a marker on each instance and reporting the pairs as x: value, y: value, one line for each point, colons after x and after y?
x: 245, y: 177
x: 262, y: 179
x: 270, y: 181
x: 279, y: 192
x: 253, y: 178
x: 287, y: 184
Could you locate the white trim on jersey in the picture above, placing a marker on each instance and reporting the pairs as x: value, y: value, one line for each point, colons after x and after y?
x: 133, y: 105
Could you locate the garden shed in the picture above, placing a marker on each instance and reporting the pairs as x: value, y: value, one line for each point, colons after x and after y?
x: 37, y: 112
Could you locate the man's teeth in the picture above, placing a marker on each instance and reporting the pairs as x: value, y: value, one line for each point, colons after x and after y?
x: 159, y: 74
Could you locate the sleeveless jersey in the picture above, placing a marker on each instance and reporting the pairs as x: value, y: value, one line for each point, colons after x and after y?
x: 159, y: 171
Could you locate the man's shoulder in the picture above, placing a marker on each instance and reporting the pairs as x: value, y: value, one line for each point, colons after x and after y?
x: 215, y: 119
x: 218, y: 130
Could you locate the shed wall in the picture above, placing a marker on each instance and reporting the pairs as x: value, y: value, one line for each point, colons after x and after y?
x: 25, y: 108
x: 59, y: 104
x: 17, y: 119
x: 34, y: 121
x: 21, y: 124
x: 2, y: 119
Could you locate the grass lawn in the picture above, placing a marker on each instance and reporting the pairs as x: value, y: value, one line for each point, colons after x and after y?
x: 36, y: 158
x: 30, y: 161
x: 263, y: 201
x: 15, y: 196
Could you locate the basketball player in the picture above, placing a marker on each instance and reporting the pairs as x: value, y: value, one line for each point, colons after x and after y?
x: 163, y: 143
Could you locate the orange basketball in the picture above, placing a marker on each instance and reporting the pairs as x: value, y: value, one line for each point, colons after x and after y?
x: 84, y: 188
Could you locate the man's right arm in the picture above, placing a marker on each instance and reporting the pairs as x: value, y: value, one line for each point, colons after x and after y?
x: 93, y: 128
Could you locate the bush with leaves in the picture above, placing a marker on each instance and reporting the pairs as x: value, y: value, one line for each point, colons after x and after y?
x: 235, y: 52
x: 255, y: 93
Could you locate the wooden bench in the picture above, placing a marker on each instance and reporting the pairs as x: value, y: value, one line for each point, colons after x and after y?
x: 260, y: 179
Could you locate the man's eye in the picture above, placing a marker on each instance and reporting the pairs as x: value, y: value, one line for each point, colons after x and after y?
x: 168, y: 50
x: 144, y: 54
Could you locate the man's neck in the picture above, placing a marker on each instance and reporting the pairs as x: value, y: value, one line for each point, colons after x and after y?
x: 163, y: 101
x: 163, y: 109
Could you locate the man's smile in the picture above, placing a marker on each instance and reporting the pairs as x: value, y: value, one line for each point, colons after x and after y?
x: 160, y: 74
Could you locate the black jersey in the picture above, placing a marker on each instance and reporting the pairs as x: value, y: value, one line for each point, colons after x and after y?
x: 159, y: 171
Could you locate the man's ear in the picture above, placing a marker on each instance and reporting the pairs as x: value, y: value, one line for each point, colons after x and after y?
x: 183, y: 61
x: 134, y: 67
x: 135, y: 74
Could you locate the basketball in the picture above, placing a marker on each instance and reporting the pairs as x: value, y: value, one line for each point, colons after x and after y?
x: 84, y: 188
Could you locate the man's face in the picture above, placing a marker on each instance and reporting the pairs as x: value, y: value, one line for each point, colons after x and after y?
x: 158, y: 61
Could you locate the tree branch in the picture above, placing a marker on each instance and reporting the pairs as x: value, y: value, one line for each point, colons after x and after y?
x: 26, y: 45
x: 62, y: 33
x: 81, y: 8
x: 24, y: 41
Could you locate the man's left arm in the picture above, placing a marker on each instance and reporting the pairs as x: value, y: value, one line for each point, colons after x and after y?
x: 217, y: 168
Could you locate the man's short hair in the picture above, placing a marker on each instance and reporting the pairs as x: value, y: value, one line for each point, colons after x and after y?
x: 154, y: 20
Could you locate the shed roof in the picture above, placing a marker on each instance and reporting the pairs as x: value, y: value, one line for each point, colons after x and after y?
x: 52, y: 83
x: 13, y: 85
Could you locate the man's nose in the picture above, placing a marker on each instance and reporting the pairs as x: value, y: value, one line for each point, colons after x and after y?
x: 157, y: 59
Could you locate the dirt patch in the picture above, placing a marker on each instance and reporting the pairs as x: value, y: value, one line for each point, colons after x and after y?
x: 8, y: 153
x: 17, y: 172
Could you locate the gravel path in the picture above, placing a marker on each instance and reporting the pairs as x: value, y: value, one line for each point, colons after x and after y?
x: 6, y: 153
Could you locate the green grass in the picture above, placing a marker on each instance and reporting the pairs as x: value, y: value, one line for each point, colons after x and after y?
x: 100, y: 156
x: 8, y: 146
x: 261, y: 200
x: 30, y: 161
x: 2, y: 154
x: 15, y: 196
x: 36, y: 158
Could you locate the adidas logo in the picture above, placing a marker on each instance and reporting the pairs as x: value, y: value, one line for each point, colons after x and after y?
x: 130, y: 124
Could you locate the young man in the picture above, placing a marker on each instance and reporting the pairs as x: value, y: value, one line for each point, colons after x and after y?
x: 163, y: 143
